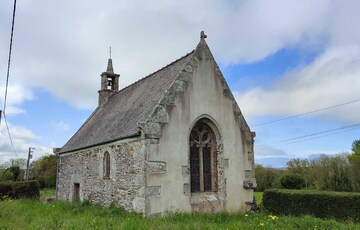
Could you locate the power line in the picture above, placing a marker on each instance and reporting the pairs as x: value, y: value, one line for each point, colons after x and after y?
x: 306, y: 137
x: 306, y: 113
x: 7, y: 79
x: 12, y: 144
x: 330, y: 134
x: 9, y: 59
x: 318, y: 133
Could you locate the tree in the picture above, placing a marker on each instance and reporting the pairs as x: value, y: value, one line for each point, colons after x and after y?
x: 331, y: 173
x: 5, y: 174
x: 301, y: 167
x: 354, y: 160
x: 21, y: 162
x: 340, y: 173
x: 44, y: 171
x: 266, y: 177
x: 292, y: 181
x: 15, y: 172
x: 356, y: 147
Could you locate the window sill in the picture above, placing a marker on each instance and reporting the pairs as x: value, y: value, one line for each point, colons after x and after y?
x: 202, y: 192
x: 106, y: 178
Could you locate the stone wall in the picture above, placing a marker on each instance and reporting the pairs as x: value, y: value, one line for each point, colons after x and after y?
x: 125, y: 186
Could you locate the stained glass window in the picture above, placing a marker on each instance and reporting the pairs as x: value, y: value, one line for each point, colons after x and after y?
x: 202, y: 158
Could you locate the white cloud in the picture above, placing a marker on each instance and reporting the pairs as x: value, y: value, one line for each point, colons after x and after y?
x: 332, y: 79
x: 22, y: 139
x: 17, y: 94
x: 264, y: 151
x: 61, y: 125
x: 62, y: 46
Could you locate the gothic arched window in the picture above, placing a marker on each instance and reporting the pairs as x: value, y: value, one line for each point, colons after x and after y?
x: 106, y: 165
x: 202, y: 158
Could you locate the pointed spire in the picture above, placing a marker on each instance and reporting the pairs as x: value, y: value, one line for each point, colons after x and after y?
x: 110, y: 68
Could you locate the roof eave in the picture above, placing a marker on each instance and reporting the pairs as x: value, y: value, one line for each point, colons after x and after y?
x: 137, y: 134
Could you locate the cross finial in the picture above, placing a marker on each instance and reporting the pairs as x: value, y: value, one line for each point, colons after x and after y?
x: 203, y: 35
x: 110, y: 53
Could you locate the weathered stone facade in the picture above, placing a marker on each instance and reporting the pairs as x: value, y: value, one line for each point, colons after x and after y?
x: 150, y: 172
x: 126, y: 183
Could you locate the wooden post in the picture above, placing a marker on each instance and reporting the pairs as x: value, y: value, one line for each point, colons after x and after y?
x: 28, y: 161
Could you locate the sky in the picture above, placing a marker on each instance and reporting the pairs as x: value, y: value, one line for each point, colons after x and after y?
x: 281, y: 58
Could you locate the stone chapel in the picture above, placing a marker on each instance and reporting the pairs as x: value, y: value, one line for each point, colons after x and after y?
x: 175, y: 140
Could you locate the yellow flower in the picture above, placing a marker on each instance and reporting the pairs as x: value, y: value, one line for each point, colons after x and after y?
x: 273, y: 217
x: 246, y: 215
x: 261, y: 224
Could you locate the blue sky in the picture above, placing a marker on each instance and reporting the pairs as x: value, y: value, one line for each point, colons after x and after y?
x: 280, y: 58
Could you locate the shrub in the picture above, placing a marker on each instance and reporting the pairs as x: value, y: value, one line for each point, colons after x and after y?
x: 266, y: 178
x: 23, y: 189
x: 292, y: 181
x: 44, y: 171
x: 322, y: 204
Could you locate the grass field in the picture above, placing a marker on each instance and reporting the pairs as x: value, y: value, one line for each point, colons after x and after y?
x: 46, y: 192
x: 32, y: 214
x: 258, y: 197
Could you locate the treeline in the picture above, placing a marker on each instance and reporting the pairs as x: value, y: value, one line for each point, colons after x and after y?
x: 334, y: 173
x: 43, y: 170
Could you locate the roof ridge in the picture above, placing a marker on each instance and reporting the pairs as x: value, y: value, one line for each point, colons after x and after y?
x: 149, y: 75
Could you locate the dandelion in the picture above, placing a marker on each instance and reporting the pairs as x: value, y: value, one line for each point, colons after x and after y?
x: 261, y: 224
x: 273, y: 217
x: 246, y: 215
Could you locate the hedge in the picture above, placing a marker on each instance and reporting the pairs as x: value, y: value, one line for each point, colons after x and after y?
x: 22, y: 189
x: 322, y: 204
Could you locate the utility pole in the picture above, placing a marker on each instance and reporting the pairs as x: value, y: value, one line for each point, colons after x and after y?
x: 28, y: 161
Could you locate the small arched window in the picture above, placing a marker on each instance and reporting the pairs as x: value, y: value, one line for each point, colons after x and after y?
x: 106, y: 165
x: 202, y: 158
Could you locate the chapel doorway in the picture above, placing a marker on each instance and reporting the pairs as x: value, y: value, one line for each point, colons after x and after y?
x: 76, y: 196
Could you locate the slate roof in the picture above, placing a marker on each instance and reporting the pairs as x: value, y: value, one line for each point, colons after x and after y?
x: 118, y: 118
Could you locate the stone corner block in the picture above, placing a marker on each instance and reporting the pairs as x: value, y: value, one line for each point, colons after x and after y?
x: 156, y: 167
x: 249, y: 184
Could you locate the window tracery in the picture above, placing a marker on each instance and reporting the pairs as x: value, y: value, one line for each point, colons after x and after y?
x: 202, y: 158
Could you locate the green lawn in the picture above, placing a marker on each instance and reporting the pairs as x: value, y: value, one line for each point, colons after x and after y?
x: 258, y: 197
x: 33, y: 214
x: 46, y: 192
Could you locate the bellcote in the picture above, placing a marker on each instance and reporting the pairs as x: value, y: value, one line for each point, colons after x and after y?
x: 109, y: 83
